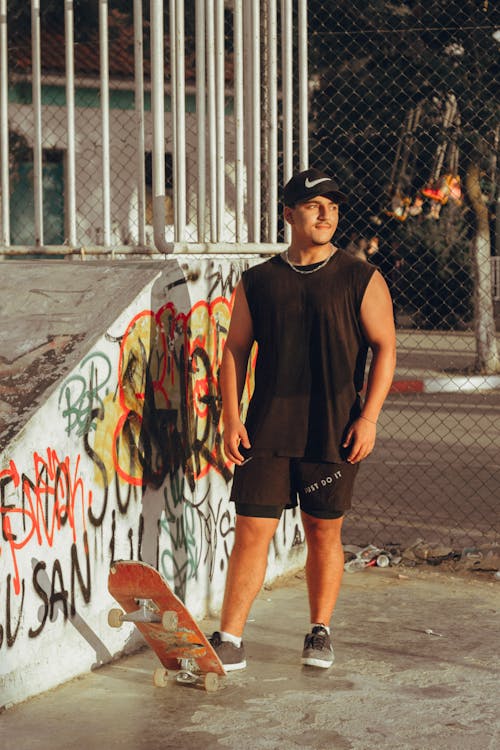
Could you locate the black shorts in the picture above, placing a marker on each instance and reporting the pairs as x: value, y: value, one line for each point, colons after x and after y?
x: 264, y: 487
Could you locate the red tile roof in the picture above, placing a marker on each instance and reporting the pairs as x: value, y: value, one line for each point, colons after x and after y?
x: 86, y: 54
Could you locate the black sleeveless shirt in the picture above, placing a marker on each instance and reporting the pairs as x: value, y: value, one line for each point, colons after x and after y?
x: 311, y: 356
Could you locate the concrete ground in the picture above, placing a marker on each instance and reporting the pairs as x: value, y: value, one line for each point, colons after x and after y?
x: 417, y: 665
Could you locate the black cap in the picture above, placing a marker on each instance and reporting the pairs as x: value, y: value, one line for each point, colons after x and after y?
x: 309, y: 184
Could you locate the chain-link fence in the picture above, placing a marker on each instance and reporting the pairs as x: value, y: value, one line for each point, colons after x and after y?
x: 402, y: 109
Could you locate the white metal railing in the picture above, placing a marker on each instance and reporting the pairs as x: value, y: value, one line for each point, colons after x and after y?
x: 36, y: 84
x: 4, y: 129
x: 250, y: 139
x: 263, y: 30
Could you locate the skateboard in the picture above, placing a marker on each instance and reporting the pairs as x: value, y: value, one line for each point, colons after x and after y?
x: 165, y: 624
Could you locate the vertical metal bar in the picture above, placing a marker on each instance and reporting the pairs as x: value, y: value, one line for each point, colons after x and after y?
x: 177, y: 78
x: 264, y: 125
x: 105, y: 128
x: 37, y: 120
x: 256, y: 118
x: 70, y: 183
x: 201, y: 206
x: 272, y: 117
x: 139, y: 119
x: 287, y: 66
x: 180, y: 114
x: 239, y: 171
x: 303, y: 87
x: 4, y: 129
x: 158, y: 117
x: 247, y: 89
x: 173, y: 109
x: 220, y: 115
x: 212, y: 140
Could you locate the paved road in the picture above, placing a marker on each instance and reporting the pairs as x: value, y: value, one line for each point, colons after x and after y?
x: 436, y: 351
x: 435, y: 472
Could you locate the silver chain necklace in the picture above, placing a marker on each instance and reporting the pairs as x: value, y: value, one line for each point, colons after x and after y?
x: 311, y: 270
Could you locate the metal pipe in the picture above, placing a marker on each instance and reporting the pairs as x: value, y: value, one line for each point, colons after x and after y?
x: 212, y: 118
x: 272, y: 118
x: 70, y: 184
x: 4, y: 129
x: 178, y: 115
x: 158, y: 117
x: 192, y: 248
x: 220, y: 115
x: 173, y: 107
x: 37, y: 120
x: 180, y: 193
x: 287, y: 66
x: 105, y: 128
x: 201, y: 205
x: 264, y: 23
x: 255, y: 120
x: 247, y: 91
x: 303, y: 87
x: 239, y: 167
x: 139, y: 120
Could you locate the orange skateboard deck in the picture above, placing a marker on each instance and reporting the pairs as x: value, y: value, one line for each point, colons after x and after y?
x: 165, y: 624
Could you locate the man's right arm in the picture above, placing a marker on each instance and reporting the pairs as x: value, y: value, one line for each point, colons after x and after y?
x: 232, y: 376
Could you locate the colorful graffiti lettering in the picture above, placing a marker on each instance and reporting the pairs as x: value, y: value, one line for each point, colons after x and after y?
x: 166, y: 411
x: 82, y: 395
x: 54, y: 500
x: 200, y: 533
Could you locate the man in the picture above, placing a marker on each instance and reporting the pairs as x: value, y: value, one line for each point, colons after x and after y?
x: 314, y: 311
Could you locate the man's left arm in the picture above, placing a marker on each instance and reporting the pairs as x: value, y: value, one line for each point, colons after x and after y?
x: 377, y: 320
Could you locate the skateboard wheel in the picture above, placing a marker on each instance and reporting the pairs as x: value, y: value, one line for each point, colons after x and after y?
x: 169, y: 621
x: 115, y: 618
x: 160, y: 677
x: 211, y: 682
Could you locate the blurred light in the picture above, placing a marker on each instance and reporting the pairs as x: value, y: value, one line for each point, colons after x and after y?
x: 454, y: 49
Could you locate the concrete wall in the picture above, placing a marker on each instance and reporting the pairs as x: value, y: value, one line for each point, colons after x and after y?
x: 121, y: 458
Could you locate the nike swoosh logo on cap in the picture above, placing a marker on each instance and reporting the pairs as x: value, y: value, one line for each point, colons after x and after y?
x: 311, y: 183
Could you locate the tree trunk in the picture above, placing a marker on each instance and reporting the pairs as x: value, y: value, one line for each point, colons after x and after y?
x: 487, y: 360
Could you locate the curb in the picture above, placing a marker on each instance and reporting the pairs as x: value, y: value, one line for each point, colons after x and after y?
x: 452, y: 384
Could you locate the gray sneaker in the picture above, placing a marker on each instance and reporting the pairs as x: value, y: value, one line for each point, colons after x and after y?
x: 231, y: 656
x: 318, y: 651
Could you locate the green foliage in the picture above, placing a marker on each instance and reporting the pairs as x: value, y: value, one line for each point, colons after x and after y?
x: 435, y: 281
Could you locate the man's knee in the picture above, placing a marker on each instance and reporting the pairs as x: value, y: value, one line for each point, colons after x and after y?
x: 326, y: 530
x: 254, y: 531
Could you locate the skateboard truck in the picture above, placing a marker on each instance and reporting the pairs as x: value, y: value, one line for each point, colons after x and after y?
x: 209, y: 680
x: 147, y: 612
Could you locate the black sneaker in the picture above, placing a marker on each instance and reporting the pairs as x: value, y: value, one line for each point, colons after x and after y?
x: 231, y: 656
x: 318, y: 651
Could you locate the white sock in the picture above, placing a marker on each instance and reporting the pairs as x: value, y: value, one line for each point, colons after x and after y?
x: 320, y: 625
x: 228, y: 638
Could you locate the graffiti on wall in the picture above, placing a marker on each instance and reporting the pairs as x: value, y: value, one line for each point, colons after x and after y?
x: 52, y: 501
x: 164, y: 414
x: 143, y: 414
x: 201, y: 534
